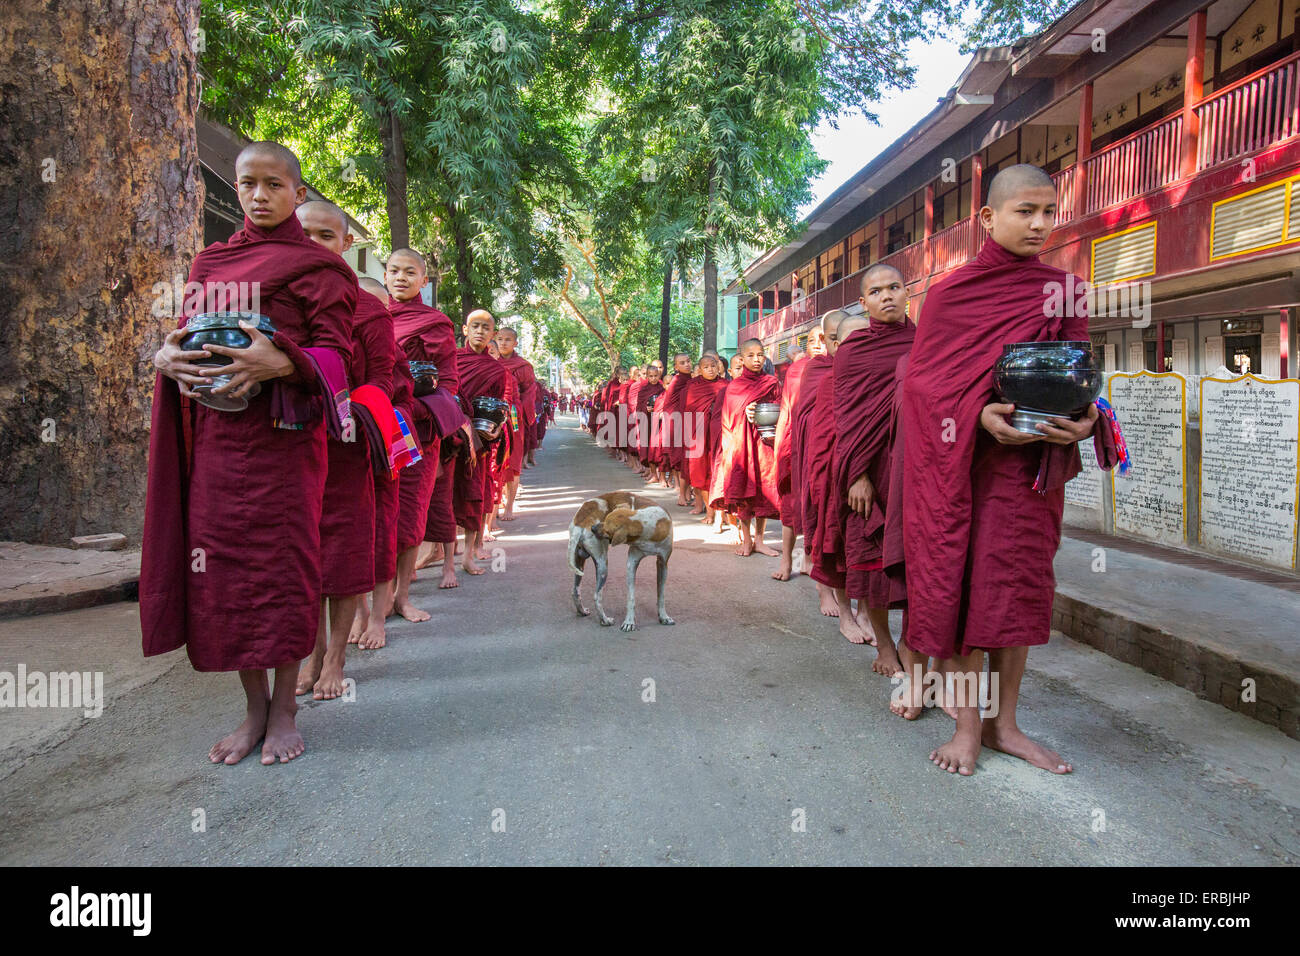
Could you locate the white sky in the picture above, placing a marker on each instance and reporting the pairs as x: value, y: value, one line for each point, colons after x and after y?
x: 857, y: 142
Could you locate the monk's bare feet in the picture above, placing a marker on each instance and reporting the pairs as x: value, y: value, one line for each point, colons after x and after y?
x: 828, y: 604
x: 762, y: 548
x: 783, y: 572
x: 489, y: 536
x: 235, y: 747
x: 448, y: 577
x: 887, y: 662
x: 508, y: 516
x: 283, y: 742
x: 907, y: 699
x: 424, y: 555
x: 374, y: 637
x: 470, y: 567
x: 409, y: 611
x: 851, y: 631
x: 1012, y: 740
x: 864, y: 625
x: 482, y: 554
x: 330, y: 684
x: 359, y: 625
x: 959, y: 754
x: 308, y: 674
x: 745, y: 548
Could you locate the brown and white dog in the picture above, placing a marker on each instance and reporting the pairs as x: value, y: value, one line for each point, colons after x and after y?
x: 608, y: 520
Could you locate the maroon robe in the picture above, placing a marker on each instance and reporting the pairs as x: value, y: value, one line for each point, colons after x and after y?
x: 480, y: 374
x: 697, y: 410
x: 529, y: 390
x: 231, y: 563
x: 863, y: 374
x: 823, y: 505
x: 388, y: 499
x: 784, y: 442
x: 672, y: 453
x: 633, y: 437
x: 347, y: 528
x: 978, y: 540
x: 644, y: 417
x: 746, y: 464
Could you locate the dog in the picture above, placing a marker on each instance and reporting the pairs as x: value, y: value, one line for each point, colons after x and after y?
x: 609, y: 520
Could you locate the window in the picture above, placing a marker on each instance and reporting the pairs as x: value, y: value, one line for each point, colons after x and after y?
x: 859, y: 251
x: 830, y: 266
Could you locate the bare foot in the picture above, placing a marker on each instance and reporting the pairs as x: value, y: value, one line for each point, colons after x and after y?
x: 235, y: 747
x: 375, y: 636
x: 283, y: 742
x: 424, y: 555
x: 744, y: 549
x: 959, y: 754
x: 490, y: 536
x: 906, y: 701
x: 864, y: 625
x: 483, y: 555
x: 887, y: 662
x: 1013, y: 741
x: 470, y: 567
x: 761, y: 548
x: 508, y: 516
x: 783, y: 572
x: 448, y: 577
x: 409, y: 611
x: 330, y: 684
x: 308, y: 674
x: 829, y: 606
x: 849, y: 628
x: 359, y: 625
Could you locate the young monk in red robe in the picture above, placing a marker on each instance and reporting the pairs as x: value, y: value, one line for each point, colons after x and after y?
x: 697, y: 410
x: 424, y: 334
x: 864, y: 374
x: 500, y: 471
x: 651, y: 389
x: 747, y: 465
x: 637, y: 381
x: 401, y: 394
x: 673, y: 454
x: 789, y: 522
x: 480, y: 375
x: 348, y: 518
x: 811, y: 457
x: 231, y: 564
x: 613, y: 418
x: 507, y: 342
x: 982, y: 501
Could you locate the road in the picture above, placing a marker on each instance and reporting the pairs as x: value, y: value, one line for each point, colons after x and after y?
x: 509, y: 731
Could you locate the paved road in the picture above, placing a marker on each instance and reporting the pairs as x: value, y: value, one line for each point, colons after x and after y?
x: 507, y: 707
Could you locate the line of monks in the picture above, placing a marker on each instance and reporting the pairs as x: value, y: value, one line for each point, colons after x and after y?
x: 895, y: 461
x: 276, y: 535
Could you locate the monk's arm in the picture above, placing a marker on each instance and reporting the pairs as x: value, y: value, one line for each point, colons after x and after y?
x: 331, y: 302
x: 381, y: 355
x: 177, y: 364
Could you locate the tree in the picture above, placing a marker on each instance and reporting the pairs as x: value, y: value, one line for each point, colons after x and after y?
x: 99, y: 175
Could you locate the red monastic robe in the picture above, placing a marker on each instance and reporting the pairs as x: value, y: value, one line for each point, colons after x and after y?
x: 978, y: 540
x: 231, y: 562
x: 347, y: 527
x: 746, y: 463
x: 388, y: 497
x: 811, y: 447
x: 864, y: 375
x: 644, y: 417
x: 480, y: 374
x: 526, y: 379
x: 789, y: 395
x: 697, y: 410
x: 672, y: 448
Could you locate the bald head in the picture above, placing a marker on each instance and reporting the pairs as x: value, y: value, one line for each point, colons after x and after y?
x: 1014, y: 181
x: 274, y: 152
x: 322, y: 210
x: 831, y: 328
x: 877, y: 272
x: 410, y: 255
x: 852, y: 324
x: 373, y: 286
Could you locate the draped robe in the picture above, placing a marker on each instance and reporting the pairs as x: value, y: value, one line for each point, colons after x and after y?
x: 697, y: 409
x: 784, y: 442
x: 645, y: 418
x: 529, y: 387
x: 746, y: 463
x: 672, y: 447
x: 480, y: 374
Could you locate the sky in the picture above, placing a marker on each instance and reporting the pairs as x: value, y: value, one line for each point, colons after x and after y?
x: 857, y: 142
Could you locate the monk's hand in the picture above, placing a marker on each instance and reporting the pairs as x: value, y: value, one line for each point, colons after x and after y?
x: 178, y: 364
x: 994, y: 420
x: 749, y: 412
x: 260, y: 362
x: 469, y: 444
x: 1065, y: 431
x: 861, y: 494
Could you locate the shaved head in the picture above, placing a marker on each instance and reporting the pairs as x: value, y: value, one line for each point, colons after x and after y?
x: 879, y: 267
x: 852, y: 324
x: 373, y: 285
x: 748, y: 342
x: 321, y: 208
x: 265, y: 149
x: 1014, y: 180
x: 831, y: 322
x: 410, y: 254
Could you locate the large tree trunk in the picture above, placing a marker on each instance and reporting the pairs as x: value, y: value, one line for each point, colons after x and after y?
x: 100, y: 184
x: 394, y: 146
x: 710, y: 299
x: 665, y: 312
x: 464, y: 267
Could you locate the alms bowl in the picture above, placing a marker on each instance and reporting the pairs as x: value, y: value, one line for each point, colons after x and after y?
x: 426, y: 377
x: 222, y: 328
x: 1047, y: 380
x: 488, y: 414
x: 766, y: 415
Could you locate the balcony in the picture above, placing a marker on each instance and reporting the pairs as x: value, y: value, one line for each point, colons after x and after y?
x: 1255, y: 113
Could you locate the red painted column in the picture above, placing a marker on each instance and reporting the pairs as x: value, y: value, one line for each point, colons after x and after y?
x: 1193, y: 87
x: 1160, y: 347
x: 1284, y: 341
x: 976, y: 184
x: 929, y: 227
x: 1084, y: 143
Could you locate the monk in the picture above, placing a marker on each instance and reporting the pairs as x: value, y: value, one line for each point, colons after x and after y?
x: 367, y: 623
x: 747, y: 466
x: 697, y: 457
x: 507, y: 341
x: 811, y: 457
x: 231, y: 563
x: 981, y: 501
x: 672, y: 443
x: 636, y: 383
x: 481, y: 376
x: 789, y: 396
x: 651, y: 390
x: 871, y: 346
x: 423, y: 334
x: 348, y: 517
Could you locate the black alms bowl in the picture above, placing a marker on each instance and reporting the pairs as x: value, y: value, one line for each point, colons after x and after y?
x: 1047, y: 380
x: 488, y: 414
x: 222, y: 328
x: 426, y: 377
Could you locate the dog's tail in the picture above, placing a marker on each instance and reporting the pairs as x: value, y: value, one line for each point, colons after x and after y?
x: 575, y: 538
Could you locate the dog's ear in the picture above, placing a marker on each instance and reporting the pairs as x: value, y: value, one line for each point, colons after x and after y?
x: 597, y: 529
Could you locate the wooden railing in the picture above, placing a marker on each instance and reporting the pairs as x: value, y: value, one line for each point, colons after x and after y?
x: 1135, y: 165
x: 1251, y: 114
x: 1065, y: 183
x: 951, y: 247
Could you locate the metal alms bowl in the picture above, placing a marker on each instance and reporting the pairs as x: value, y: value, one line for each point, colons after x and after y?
x: 766, y: 415
x: 488, y: 414
x: 425, y: 375
x: 1047, y: 380
x: 222, y: 328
